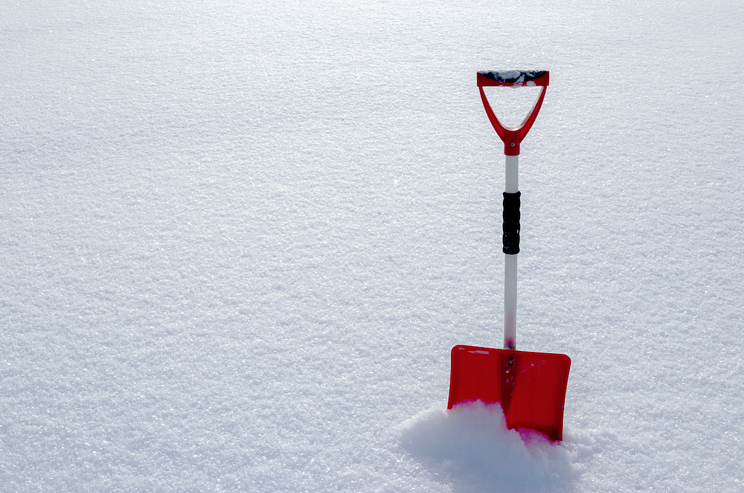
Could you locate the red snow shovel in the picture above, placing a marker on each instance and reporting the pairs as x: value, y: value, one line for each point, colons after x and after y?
x: 531, y: 387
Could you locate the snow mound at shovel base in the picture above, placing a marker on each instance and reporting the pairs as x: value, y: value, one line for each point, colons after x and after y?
x: 472, y: 444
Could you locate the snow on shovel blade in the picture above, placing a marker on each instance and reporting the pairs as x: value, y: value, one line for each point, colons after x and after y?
x: 531, y: 387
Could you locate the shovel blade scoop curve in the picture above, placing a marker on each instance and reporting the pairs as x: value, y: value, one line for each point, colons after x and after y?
x: 531, y: 387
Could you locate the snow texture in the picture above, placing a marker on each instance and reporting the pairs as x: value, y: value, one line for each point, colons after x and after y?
x: 471, y: 441
x: 239, y: 239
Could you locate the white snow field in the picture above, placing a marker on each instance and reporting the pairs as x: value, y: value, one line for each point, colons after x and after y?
x: 238, y: 240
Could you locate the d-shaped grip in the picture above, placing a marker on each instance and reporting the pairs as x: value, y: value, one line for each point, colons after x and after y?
x: 512, y: 137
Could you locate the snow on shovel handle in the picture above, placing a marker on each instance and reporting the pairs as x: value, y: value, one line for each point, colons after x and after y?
x: 512, y: 137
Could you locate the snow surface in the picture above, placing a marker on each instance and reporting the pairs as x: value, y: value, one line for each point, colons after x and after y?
x: 238, y: 240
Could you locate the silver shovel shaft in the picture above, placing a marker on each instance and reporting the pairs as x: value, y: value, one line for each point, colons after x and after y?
x: 510, y: 265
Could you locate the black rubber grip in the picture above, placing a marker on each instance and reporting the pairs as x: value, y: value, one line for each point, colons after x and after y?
x: 511, y: 223
x: 512, y: 75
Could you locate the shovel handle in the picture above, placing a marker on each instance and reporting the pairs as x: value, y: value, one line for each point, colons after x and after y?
x: 512, y: 137
x: 510, y: 240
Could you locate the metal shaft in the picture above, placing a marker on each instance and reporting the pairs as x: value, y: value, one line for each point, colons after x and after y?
x: 510, y: 265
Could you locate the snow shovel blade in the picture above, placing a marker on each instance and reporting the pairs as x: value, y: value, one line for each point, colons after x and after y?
x: 531, y: 387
